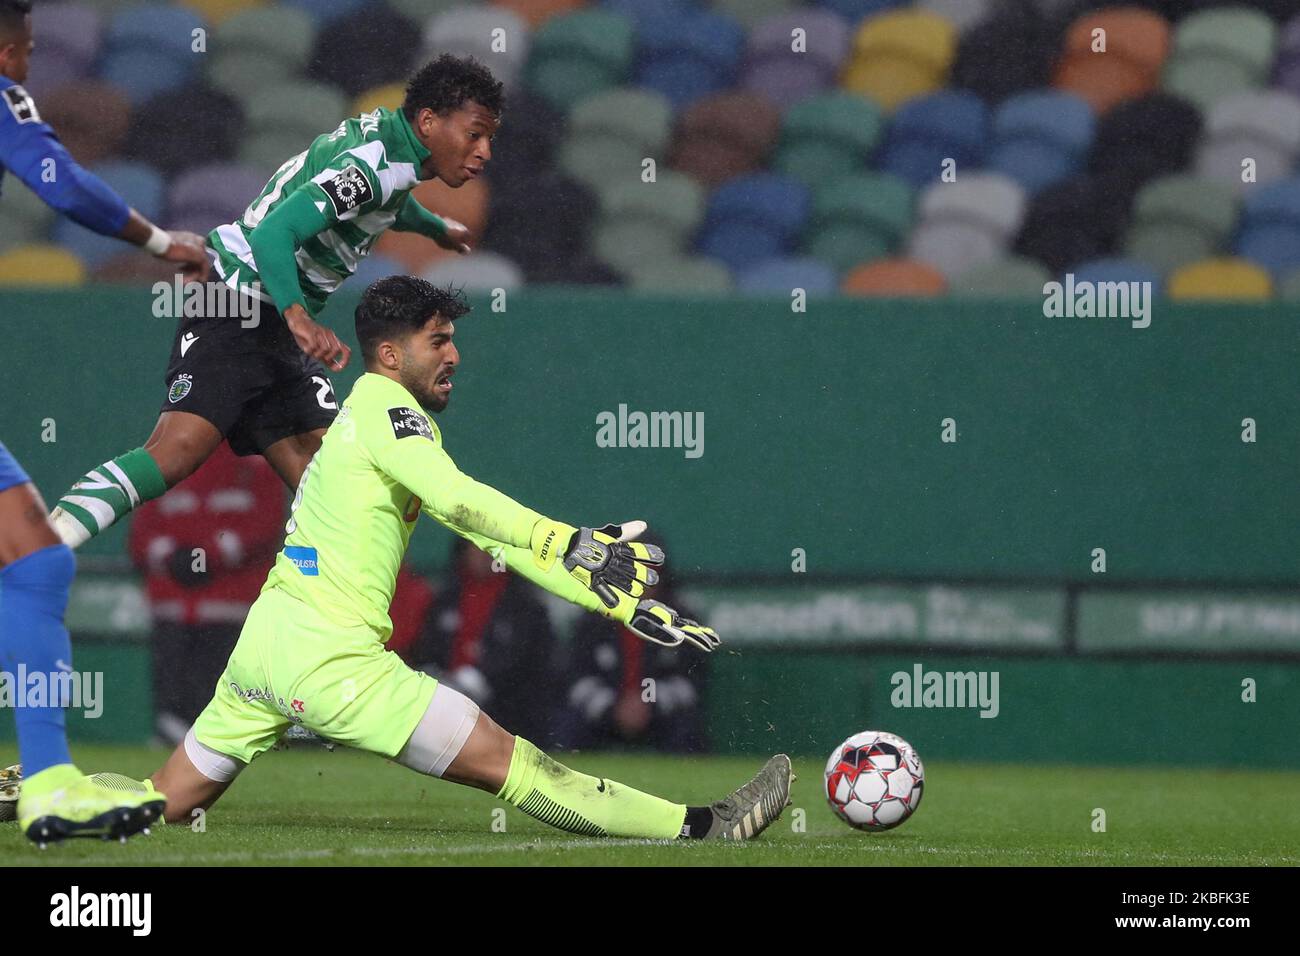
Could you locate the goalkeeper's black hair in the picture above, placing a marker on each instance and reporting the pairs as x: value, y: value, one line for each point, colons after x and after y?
x: 394, y: 307
x: 448, y: 83
x: 13, y: 14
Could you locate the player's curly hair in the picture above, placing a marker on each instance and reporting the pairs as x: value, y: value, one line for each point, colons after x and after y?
x: 395, y: 306
x: 448, y: 83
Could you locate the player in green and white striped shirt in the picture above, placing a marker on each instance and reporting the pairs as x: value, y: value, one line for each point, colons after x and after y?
x: 252, y: 367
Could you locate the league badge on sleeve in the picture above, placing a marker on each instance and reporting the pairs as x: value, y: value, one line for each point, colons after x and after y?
x: 20, y: 104
x: 408, y: 422
x: 348, y: 190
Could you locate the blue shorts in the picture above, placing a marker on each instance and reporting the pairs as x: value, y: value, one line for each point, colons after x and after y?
x: 11, y: 473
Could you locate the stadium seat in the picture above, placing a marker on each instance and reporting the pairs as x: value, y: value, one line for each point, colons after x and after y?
x: 962, y: 14
x: 1151, y: 136
x: 1077, y: 219
x: 1218, y: 52
x: 1137, y: 45
x: 855, y: 11
x: 214, y: 194
x: 288, y: 117
x: 899, y: 56
x: 1270, y: 227
x: 1040, y: 137
x: 217, y: 12
x: 142, y: 188
x: 561, y: 207
x: 213, y: 121
x: 1288, y: 291
x: 829, y: 135
x: 389, y: 96
x: 753, y: 217
x: 966, y: 223
x: 858, y: 218
x: 928, y: 131
x: 774, y: 70
x: 280, y: 32
x: 360, y: 50
x: 476, y: 272
x: 534, y: 13
x: 374, y: 267
x: 26, y: 219
x: 724, y: 136
x: 752, y: 14
x: 70, y: 35
x: 326, y: 11
x: 578, y: 54
x: 640, y: 221
x: 781, y: 276
x: 149, y: 48
x: 1010, y: 277
x: 1117, y: 270
x: 1180, y: 219
x: 637, y: 121
x: 92, y: 120
x: 1263, y: 125
x: 245, y: 73
x: 688, y: 56
x: 40, y: 266
x: 1221, y: 279
x: 894, y: 277
x: 695, y: 275
x: 1003, y: 55
x: 526, y: 142
x: 472, y: 31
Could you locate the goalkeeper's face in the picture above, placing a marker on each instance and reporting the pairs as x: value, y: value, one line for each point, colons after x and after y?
x: 427, y: 361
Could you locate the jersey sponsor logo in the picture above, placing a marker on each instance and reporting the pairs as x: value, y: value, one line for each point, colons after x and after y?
x: 348, y: 190
x: 180, y: 388
x: 408, y: 422
x: 188, y: 339
x: 20, y: 104
x: 304, y: 559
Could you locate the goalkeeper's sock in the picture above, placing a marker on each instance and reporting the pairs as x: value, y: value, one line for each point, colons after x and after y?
x: 33, y: 596
x: 105, y: 494
x: 578, y: 803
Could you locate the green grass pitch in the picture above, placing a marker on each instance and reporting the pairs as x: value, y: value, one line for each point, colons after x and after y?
x: 313, y: 807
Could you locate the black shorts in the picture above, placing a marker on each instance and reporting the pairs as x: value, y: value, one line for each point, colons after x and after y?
x: 253, y: 383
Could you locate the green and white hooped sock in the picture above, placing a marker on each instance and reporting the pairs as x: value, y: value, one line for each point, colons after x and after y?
x: 105, y: 494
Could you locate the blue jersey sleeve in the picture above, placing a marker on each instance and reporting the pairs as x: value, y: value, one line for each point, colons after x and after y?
x: 30, y: 149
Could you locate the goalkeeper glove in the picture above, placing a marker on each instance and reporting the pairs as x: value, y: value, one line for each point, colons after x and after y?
x: 604, y: 560
x: 655, y: 621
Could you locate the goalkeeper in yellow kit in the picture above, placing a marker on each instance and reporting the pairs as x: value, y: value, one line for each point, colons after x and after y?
x: 311, y: 651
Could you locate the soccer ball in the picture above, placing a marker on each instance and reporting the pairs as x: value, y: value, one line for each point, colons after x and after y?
x: 874, y: 780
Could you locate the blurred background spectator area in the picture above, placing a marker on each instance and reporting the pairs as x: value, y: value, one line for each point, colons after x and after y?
x: 794, y: 145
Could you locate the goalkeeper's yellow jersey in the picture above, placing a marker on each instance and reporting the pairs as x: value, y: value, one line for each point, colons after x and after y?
x: 380, y: 464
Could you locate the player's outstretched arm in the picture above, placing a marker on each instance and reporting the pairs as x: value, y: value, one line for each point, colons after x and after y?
x: 446, y: 232
x: 30, y: 149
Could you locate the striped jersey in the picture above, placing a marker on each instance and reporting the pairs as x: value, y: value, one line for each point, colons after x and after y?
x: 359, y: 176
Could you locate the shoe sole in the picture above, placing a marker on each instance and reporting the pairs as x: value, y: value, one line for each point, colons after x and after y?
x: 116, y: 824
x: 750, y: 826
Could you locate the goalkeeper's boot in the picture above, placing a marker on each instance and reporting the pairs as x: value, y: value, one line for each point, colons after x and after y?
x: 60, y: 802
x: 10, y: 778
x: 755, y: 806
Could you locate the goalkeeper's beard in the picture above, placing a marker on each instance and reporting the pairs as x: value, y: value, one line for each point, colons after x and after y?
x: 416, y: 378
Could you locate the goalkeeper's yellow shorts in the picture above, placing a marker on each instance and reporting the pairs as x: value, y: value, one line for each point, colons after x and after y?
x: 291, y: 666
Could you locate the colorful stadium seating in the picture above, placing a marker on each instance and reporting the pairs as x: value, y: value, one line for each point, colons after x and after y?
x: 877, y: 147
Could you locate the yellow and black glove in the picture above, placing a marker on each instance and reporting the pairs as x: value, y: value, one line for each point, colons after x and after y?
x: 604, y: 560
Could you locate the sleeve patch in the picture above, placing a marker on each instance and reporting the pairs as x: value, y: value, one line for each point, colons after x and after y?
x: 408, y: 422
x: 21, y: 105
x: 348, y: 190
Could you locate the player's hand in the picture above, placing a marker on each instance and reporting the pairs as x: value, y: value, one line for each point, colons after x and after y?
x: 656, y: 622
x: 187, y: 249
x: 605, y: 560
x: 316, y: 340
x: 456, y: 238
